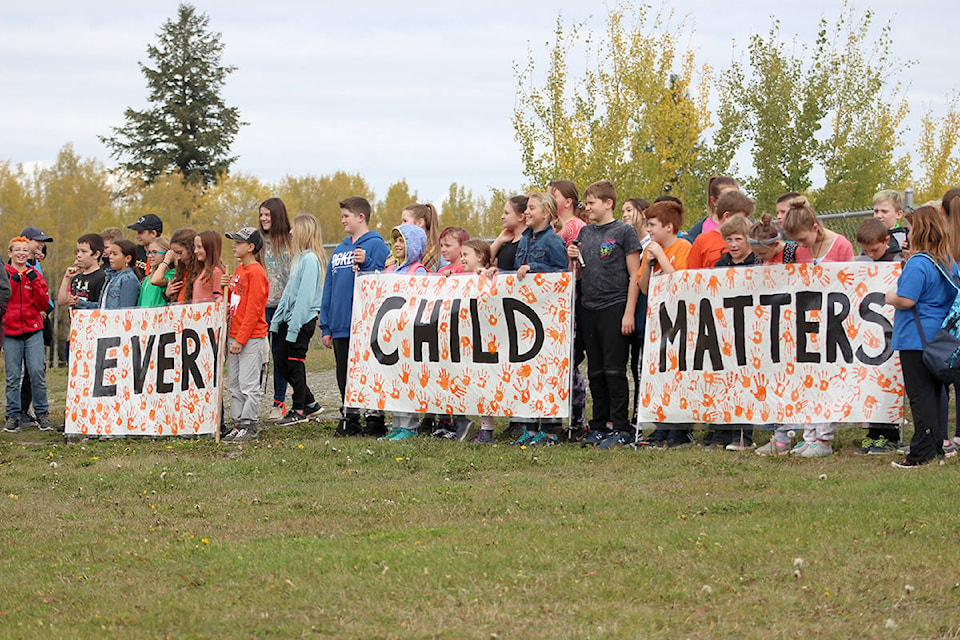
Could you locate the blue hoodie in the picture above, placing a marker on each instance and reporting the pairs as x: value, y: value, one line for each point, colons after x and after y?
x: 336, y: 306
x: 415, y: 240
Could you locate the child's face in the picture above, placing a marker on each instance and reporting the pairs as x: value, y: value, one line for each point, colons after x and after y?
x: 198, y: 249
x: 510, y: 218
x: 450, y: 248
x: 118, y: 261
x: 889, y: 214
x: 536, y: 215
x: 241, y: 249
x: 782, y: 208
x: 266, y: 219
x: 738, y: 246
x: 155, y: 254
x: 407, y: 217
x: 19, y: 253
x: 807, y: 237
x: 629, y: 212
x: 400, y: 248
x: 182, y: 252
x: 83, y: 257
x: 145, y: 237
x: 596, y: 208
x: 875, y: 250
x: 766, y: 252
x: 470, y: 259
x: 562, y: 203
x: 351, y: 222
x: 658, y: 232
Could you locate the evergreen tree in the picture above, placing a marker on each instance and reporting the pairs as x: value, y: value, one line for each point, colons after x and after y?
x: 188, y: 128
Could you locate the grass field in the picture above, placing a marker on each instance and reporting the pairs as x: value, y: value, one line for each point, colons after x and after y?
x: 302, y: 534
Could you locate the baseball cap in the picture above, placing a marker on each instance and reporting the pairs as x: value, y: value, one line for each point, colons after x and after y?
x: 148, y: 222
x: 247, y: 234
x: 33, y: 233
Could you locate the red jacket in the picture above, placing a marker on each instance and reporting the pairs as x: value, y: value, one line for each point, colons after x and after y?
x: 28, y: 298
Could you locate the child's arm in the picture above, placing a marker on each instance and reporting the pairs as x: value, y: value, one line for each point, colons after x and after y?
x: 157, y: 278
x: 309, y: 280
x: 505, y: 236
x: 898, y: 302
x: 64, y: 298
x: 326, y: 337
x: 256, y: 290
x: 41, y: 295
x: 628, y: 324
x: 129, y: 292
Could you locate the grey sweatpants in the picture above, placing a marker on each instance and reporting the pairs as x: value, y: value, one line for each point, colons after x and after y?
x: 243, y: 379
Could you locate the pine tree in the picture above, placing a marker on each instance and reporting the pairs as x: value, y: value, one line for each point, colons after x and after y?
x: 188, y: 128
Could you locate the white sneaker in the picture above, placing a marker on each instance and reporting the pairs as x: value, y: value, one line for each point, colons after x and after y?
x: 772, y: 448
x: 277, y: 412
x: 817, y: 450
x: 799, y: 448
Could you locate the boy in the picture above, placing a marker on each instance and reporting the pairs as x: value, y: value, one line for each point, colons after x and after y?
x: 148, y: 228
x: 451, y: 243
x: 610, y: 252
x: 888, y: 208
x: 248, y: 333
x: 665, y: 254
x: 361, y: 250
x: 877, y: 245
x: 783, y: 205
x: 38, y: 251
x: 82, y: 283
x: 709, y: 245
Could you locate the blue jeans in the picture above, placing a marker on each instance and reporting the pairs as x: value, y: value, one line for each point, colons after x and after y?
x: 279, y: 384
x: 17, y: 353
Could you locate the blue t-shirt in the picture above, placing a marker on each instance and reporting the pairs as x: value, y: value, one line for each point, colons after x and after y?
x: 922, y: 282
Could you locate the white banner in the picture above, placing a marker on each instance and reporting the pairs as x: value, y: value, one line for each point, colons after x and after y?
x: 796, y: 343
x: 463, y: 345
x: 151, y: 372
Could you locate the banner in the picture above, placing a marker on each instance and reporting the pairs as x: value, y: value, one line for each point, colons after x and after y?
x: 463, y: 345
x: 795, y: 343
x: 149, y: 372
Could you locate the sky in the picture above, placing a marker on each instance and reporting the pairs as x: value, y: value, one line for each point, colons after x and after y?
x: 421, y: 90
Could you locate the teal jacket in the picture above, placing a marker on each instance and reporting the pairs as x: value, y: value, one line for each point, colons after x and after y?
x: 300, y: 302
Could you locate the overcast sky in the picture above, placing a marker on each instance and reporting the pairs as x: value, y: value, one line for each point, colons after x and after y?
x: 417, y: 90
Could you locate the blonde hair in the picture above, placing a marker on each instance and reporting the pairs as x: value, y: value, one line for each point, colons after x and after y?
x: 929, y: 233
x: 800, y: 217
x: 431, y: 224
x: 734, y: 225
x: 547, y: 202
x: 306, y: 237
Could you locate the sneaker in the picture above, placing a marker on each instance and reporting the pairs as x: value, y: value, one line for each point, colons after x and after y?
x: 312, y: 411
x: 464, y: 430
x: 484, y: 437
x: 444, y: 434
x: 773, y: 448
x: 616, y: 440
x: 245, y: 434
x: 879, y: 447
x: 799, y: 448
x: 428, y: 424
x: 594, y: 437
x: 349, y: 426
x: 525, y: 439
x: 403, y: 434
x: 277, y: 411
x: 376, y: 425
x: 230, y: 436
x: 907, y: 464
x: 817, y: 450
x: 292, y: 417
x: 543, y: 439
x: 950, y: 449
x: 740, y: 445
x: 44, y: 424
x: 394, y: 431
x: 28, y: 420
x: 12, y: 425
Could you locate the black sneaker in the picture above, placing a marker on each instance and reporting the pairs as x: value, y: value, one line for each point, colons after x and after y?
x: 28, y: 420
x: 908, y: 464
x: 245, y: 434
x: 292, y: 417
x: 594, y: 437
x: 349, y: 426
x: 12, y: 425
x: 230, y: 435
x: 43, y: 422
x: 616, y: 440
x: 376, y: 426
x: 444, y: 433
x: 313, y: 410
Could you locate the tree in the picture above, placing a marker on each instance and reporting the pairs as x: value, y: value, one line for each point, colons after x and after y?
x: 387, y: 211
x: 188, y: 128
x: 938, y: 151
x: 321, y: 196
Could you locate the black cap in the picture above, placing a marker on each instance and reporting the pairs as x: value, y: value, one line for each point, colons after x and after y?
x: 148, y: 222
x: 33, y: 233
x: 247, y: 234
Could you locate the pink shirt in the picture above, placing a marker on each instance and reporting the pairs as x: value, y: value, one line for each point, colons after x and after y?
x: 452, y: 268
x: 208, y: 290
x: 840, y: 251
x: 709, y: 224
x: 571, y: 229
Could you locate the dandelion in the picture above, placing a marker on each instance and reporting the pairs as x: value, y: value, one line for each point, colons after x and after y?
x: 890, y: 624
x: 822, y: 476
x: 95, y: 458
x: 909, y: 588
x: 14, y: 496
x: 707, y: 589
x: 399, y: 459
x: 205, y: 541
x: 798, y: 562
x: 299, y: 446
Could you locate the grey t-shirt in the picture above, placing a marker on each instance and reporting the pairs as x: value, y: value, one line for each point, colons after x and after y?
x: 605, y: 277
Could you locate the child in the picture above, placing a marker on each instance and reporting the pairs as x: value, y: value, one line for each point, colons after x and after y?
x: 425, y: 216
x: 180, y: 289
x: 768, y: 243
x: 150, y: 294
x: 296, y: 318
x: 611, y: 259
x: 275, y: 233
x: 888, y: 208
x: 475, y: 255
x: 148, y: 228
x: 569, y: 219
x: 541, y: 250
x: 716, y: 187
x: 23, y: 335
x: 709, y: 245
x: 451, y: 239
x: 361, y: 250
x: 207, y: 286
x: 123, y: 289
x: 817, y: 244
x: 665, y: 254
x: 248, y: 293
x: 504, y: 247
x: 783, y: 205
x: 409, y: 243
x: 83, y: 282
x: 632, y: 211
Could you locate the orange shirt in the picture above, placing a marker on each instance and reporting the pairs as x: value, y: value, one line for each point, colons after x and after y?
x: 678, y: 254
x: 249, y: 289
x: 706, y: 250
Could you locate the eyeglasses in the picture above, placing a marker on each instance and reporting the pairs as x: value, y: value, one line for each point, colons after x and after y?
x: 156, y: 253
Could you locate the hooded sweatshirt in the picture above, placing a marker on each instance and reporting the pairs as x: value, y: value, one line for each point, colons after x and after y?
x: 415, y: 241
x: 337, y: 303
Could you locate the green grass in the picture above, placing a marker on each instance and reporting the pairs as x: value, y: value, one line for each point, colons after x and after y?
x: 305, y: 535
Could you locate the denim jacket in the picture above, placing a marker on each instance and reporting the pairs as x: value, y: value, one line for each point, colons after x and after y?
x: 122, y: 291
x: 543, y: 251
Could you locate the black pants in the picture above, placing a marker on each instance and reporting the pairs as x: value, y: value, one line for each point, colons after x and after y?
x: 291, y: 358
x: 341, y: 352
x: 636, y: 361
x: 607, y: 349
x: 925, y: 394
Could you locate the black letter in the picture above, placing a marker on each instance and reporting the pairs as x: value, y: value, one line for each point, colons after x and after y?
x: 869, y: 315
x: 775, y: 301
x: 141, y: 361
x: 164, y: 362
x: 215, y: 347
x: 455, y: 331
x: 426, y: 332
x: 669, y: 331
x: 510, y: 307
x: 390, y: 304
x: 479, y: 355
x: 836, y: 334
x: 103, y: 363
x: 738, y: 304
x: 707, y: 339
x: 190, y: 368
x: 807, y: 301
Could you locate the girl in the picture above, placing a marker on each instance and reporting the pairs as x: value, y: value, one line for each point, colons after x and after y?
x: 123, y: 289
x: 716, y: 187
x: 632, y: 211
x: 924, y: 294
x: 768, y: 243
x: 208, y: 285
x: 816, y: 244
x: 295, y: 319
x: 180, y: 289
x: 23, y: 331
x: 425, y: 216
x: 475, y: 255
x: 504, y: 248
x: 150, y: 294
x: 570, y: 213
x: 276, y: 258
